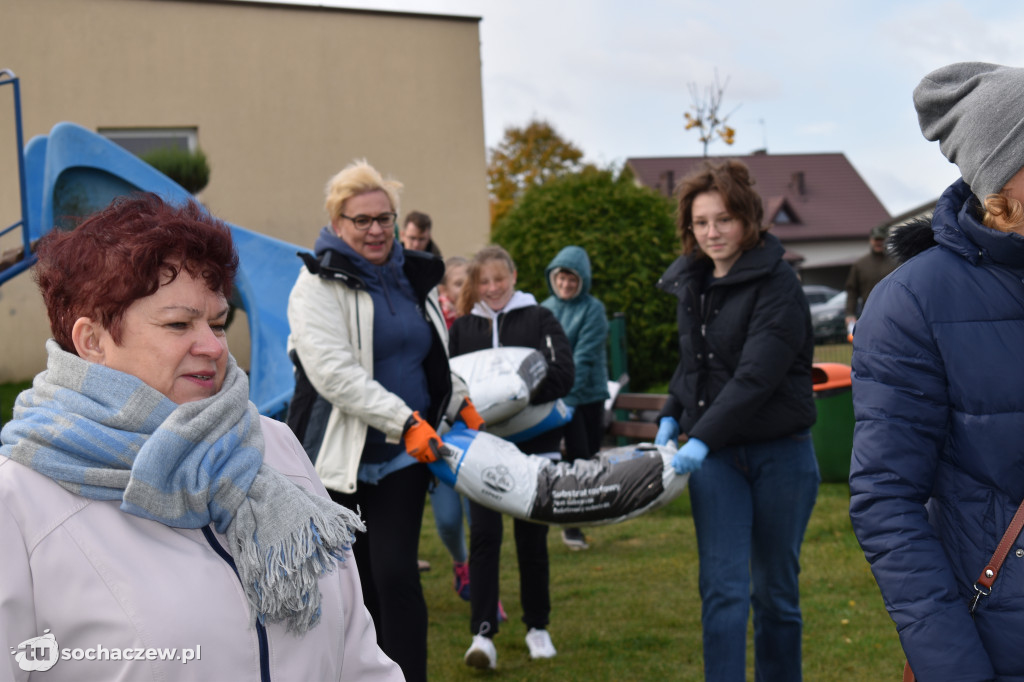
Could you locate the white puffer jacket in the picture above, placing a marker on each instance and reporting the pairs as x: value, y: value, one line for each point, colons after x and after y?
x: 332, y: 331
x: 100, y: 579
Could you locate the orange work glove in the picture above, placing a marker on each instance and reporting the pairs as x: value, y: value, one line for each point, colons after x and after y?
x: 421, y: 440
x: 468, y: 414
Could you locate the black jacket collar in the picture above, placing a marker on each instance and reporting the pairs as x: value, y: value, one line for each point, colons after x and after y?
x: 424, y: 270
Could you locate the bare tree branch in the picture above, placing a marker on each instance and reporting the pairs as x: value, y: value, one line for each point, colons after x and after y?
x: 706, y: 116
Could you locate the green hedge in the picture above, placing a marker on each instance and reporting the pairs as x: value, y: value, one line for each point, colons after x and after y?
x: 188, y: 169
x: 628, y: 232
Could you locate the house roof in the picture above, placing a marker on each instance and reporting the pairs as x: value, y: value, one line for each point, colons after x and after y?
x: 923, y: 211
x: 807, y: 197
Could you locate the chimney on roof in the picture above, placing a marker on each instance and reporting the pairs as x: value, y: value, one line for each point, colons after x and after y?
x: 759, y: 152
x: 796, y: 182
x: 669, y: 177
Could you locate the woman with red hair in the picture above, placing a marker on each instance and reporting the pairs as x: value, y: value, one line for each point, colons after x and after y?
x: 145, y: 505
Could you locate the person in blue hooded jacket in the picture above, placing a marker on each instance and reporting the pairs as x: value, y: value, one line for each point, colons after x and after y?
x: 938, y: 458
x: 583, y: 318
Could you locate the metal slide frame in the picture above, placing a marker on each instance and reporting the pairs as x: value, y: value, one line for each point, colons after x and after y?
x: 27, y: 259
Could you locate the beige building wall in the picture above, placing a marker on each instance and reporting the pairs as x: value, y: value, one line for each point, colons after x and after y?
x: 283, y: 96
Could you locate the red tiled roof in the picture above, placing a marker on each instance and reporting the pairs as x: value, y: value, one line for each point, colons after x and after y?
x: 823, y: 193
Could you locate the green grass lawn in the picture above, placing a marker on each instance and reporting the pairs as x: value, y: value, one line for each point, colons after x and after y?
x: 834, y: 352
x: 628, y: 608
x: 8, y: 392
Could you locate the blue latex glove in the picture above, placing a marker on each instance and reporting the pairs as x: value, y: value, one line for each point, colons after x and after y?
x: 668, y: 431
x: 689, y: 457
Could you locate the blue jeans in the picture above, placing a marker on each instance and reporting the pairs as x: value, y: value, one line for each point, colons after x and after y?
x: 448, y: 507
x: 751, y: 505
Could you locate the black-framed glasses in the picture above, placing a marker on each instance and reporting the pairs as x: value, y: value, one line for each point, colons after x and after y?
x: 363, y: 222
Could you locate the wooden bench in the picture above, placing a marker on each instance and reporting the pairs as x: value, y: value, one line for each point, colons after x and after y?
x: 628, y: 415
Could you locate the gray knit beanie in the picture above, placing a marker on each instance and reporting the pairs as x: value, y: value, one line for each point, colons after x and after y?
x: 976, y: 112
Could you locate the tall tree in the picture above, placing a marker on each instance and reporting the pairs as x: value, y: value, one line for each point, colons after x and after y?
x: 707, y: 115
x: 629, y: 233
x: 527, y: 157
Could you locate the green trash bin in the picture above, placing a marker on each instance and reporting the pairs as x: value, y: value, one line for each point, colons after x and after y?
x: 833, y: 432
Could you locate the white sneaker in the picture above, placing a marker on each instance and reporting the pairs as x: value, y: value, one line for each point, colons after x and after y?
x: 483, y: 655
x: 539, y: 644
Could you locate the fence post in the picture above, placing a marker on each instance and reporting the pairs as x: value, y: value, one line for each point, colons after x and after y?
x: 617, y: 346
x: 619, y: 361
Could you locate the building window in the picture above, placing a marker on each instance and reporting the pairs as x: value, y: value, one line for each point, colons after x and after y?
x: 141, y: 141
x: 783, y: 217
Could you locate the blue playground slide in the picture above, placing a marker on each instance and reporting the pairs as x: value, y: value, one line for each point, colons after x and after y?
x: 75, y: 172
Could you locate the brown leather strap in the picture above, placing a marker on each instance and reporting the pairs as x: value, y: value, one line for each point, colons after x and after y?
x: 989, y: 573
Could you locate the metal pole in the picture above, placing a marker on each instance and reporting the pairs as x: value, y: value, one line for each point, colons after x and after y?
x: 7, y: 76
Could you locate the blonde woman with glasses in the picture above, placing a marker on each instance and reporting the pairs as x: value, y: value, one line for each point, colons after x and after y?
x: 369, y: 343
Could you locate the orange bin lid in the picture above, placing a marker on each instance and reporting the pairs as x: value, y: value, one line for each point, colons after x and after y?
x: 829, y: 375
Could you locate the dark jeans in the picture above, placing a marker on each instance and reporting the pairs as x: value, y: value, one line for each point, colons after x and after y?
x: 386, y: 557
x: 485, y: 534
x: 751, y: 504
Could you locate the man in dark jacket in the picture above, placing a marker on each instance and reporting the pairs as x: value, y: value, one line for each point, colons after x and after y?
x: 416, y: 233
x: 866, y: 272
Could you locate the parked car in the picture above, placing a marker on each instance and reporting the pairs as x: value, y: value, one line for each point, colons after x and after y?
x: 818, y: 293
x: 829, y: 319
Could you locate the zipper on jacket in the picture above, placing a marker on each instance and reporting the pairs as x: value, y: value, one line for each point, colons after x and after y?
x: 427, y: 303
x: 547, y: 340
x: 446, y: 399
x: 442, y: 405
x: 704, y: 366
x: 359, y: 328
x: 261, y: 631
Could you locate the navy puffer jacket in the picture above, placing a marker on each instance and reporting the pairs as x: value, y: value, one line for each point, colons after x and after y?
x: 938, y: 456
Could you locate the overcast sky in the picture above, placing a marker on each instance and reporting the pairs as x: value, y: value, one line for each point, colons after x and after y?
x: 803, y: 76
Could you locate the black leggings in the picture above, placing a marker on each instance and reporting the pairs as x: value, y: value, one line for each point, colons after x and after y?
x: 485, y: 530
x: 584, y: 433
x: 485, y: 534
x: 386, y: 557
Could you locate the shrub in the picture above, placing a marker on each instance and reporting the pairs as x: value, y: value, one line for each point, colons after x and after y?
x: 188, y: 169
x: 629, y: 233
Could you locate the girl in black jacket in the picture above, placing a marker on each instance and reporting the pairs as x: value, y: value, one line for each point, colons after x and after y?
x: 494, y: 314
x: 743, y: 395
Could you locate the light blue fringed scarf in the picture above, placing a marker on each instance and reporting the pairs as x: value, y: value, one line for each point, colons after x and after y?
x: 106, y: 435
